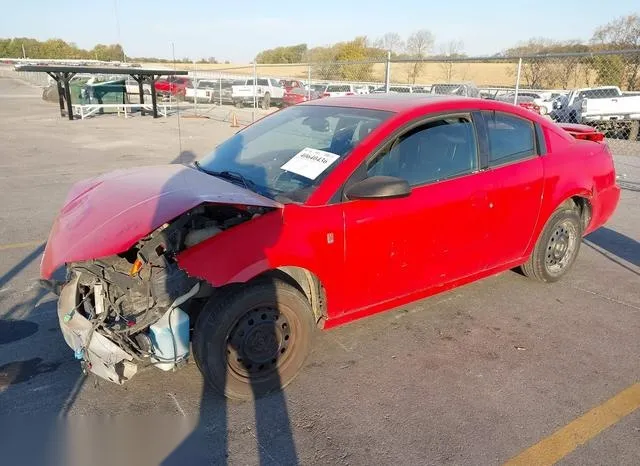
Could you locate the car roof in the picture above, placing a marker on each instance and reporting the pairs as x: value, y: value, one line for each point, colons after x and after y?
x: 424, y: 103
x: 388, y: 102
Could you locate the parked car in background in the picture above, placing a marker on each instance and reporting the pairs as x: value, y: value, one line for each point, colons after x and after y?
x: 543, y: 100
x: 462, y: 89
x: 267, y: 92
x: 524, y: 101
x: 133, y: 88
x: 320, y: 88
x: 202, y: 91
x: 606, y: 108
x: 173, y: 87
x: 395, y: 89
x: 339, y: 90
x: 298, y: 95
x: 421, y: 89
x: 311, y: 218
x: 530, y: 105
x: 289, y: 84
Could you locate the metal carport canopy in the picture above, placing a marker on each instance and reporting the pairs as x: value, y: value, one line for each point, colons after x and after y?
x: 63, y: 74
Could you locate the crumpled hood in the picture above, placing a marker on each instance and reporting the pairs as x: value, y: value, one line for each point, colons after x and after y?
x: 106, y: 215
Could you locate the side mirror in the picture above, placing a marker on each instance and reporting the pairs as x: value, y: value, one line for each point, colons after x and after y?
x: 379, y: 187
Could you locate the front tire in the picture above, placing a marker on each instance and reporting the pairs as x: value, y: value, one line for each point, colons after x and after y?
x: 557, y: 247
x: 253, y: 340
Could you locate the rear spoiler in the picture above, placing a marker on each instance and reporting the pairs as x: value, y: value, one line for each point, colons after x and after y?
x: 584, y: 132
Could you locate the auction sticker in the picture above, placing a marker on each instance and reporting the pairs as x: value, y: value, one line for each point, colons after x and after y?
x: 310, y: 163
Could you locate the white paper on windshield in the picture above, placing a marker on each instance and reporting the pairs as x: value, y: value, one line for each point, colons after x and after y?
x: 310, y: 163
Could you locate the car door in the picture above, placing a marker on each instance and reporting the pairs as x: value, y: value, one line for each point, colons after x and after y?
x: 395, y: 247
x: 513, y: 177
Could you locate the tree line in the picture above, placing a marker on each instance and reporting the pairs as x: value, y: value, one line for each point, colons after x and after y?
x: 25, y: 47
x: 537, y: 72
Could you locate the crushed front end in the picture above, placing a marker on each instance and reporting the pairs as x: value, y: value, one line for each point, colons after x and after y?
x: 134, y: 309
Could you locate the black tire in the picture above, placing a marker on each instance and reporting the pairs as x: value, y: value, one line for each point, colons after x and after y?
x: 557, y: 247
x: 266, y: 101
x: 254, y: 339
x: 573, y: 117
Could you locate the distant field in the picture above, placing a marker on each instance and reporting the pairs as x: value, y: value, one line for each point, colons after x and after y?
x: 482, y: 74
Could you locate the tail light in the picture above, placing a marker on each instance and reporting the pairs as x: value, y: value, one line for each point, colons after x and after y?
x: 349, y: 93
x: 595, y: 136
x: 583, y: 132
x: 326, y: 94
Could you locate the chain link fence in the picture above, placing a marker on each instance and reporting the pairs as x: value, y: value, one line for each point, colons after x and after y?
x: 599, y: 89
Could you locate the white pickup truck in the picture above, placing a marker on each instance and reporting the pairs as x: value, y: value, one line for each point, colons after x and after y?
x: 604, y: 107
x: 267, y: 91
x: 202, y: 91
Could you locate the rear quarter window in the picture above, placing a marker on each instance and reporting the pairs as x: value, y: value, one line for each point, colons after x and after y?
x: 511, y: 138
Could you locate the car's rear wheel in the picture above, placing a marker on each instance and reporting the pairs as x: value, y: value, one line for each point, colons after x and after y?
x: 254, y: 339
x: 557, y: 247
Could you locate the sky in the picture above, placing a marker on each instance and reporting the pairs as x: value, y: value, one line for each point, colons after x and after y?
x: 237, y: 30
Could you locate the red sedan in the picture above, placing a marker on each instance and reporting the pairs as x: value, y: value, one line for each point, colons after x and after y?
x: 298, y: 95
x: 312, y: 217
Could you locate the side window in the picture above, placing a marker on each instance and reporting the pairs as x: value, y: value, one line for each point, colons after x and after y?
x: 275, y: 83
x: 263, y: 82
x: 437, y: 150
x: 510, y: 138
x: 249, y: 82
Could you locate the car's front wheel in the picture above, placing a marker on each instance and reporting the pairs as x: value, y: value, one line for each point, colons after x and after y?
x: 253, y: 340
x: 557, y: 247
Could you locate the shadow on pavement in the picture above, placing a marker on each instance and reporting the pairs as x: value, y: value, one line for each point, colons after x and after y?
x: 246, y: 355
x: 38, y: 380
x: 616, y: 245
x: 185, y: 158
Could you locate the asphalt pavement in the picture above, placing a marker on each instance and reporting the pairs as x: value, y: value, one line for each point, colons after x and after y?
x: 474, y: 376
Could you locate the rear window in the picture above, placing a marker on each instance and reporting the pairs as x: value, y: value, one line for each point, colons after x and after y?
x: 599, y: 93
x: 510, y: 138
x: 339, y: 88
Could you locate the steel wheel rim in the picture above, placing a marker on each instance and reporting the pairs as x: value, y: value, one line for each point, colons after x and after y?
x: 260, y: 343
x: 561, y: 247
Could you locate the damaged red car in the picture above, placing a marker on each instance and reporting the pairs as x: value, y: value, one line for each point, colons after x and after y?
x: 312, y: 217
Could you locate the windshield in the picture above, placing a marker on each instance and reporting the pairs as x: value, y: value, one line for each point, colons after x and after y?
x: 310, y: 140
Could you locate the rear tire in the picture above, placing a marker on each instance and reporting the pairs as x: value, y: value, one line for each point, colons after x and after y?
x: 557, y: 247
x: 254, y: 339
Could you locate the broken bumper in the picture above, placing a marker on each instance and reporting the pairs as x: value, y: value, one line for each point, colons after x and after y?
x: 99, y: 354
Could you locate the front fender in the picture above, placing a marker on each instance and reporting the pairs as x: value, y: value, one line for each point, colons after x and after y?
x: 291, y: 237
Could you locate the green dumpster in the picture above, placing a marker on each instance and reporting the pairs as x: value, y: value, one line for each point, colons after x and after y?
x: 96, y: 91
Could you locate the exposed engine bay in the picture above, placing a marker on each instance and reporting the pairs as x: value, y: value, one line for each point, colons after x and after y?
x: 136, y: 308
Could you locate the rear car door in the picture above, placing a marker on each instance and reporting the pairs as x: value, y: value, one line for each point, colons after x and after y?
x: 513, y: 177
x: 395, y: 247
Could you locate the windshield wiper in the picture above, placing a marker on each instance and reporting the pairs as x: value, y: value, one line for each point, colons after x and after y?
x: 229, y: 176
